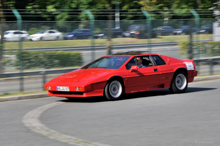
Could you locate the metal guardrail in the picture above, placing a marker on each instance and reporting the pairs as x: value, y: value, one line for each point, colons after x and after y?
x: 208, y: 60
x: 39, y: 72
x: 103, y: 47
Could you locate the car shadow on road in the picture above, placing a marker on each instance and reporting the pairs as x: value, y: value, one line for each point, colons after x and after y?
x: 198, y: 89
x: 153, y: 93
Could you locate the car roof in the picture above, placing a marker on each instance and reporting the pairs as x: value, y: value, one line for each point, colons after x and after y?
x: 12, y: 30
x: 130, y: 55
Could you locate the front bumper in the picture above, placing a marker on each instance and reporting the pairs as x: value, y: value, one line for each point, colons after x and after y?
x: 76, y: 94
x: 34, y: 38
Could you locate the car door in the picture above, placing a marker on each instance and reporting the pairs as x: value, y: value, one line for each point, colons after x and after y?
x: 79, y: 34
x: 46, y: 35
x: 143, y: 78
x: 166, y: 71
x: 87, y: 34
x: 52, y: 35
x: 15, y: 36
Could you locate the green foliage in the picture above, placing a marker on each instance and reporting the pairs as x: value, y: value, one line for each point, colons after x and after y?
x: 201, y: 48
x: 74, y: 10
x: 56, y: 59
x: 34, y: 30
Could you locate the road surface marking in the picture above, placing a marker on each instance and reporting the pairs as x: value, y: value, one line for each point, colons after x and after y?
x: 31, y: 121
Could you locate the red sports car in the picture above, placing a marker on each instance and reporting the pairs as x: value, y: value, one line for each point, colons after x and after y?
x: 113, y: 76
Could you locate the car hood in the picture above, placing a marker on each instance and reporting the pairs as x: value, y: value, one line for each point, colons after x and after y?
x: 83, y: 75
x: 178, y: 29
x: 36, y: 35
x: 99, y: 33
x: 69, y: 34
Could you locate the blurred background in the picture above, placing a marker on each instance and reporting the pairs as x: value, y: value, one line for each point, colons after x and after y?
x: 44, y: 39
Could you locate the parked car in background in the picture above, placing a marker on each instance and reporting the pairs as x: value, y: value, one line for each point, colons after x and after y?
x: 15, y: 35
x: 140, y: 31
x: 116, y: 33
x: 206, y: 29
x: 164, y: 30
x: 46, y: 35
x: 126, y: 34
x: 183, y: 30
x: 78, y: 34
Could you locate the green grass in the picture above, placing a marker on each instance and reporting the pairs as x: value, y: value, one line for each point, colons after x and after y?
x: 20, y: 93
x: 87, y: 42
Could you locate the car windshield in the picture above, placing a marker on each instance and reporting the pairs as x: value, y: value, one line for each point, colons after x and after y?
x: 76, y: 30
x: 133, y: 27
x: 7, y: 32
x: 43, y: 31
x: 184, y: 27
x: 204, y: 27
x: 112, y: 62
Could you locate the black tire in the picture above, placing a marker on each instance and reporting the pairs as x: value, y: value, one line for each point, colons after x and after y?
x: 41, y: 39
x: 114, y: 90
x: 179, y: 82
x: 74, y: 38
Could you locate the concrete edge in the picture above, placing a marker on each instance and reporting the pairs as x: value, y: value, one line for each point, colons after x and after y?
x: 42, y: 95
x: 21, y: 97
x: 206, y: 78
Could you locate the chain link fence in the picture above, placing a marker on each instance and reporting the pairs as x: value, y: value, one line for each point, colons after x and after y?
x: 58, y: 47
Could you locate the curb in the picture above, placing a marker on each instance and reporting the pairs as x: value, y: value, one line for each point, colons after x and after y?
x: 21, y: 97
x: 42, y: 95
x: 199, y: 79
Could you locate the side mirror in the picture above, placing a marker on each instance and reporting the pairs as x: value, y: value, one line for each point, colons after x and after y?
x: 168, y: 60
x: 134, y: 68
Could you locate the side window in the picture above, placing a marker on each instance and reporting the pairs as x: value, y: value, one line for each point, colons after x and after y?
x: 158, y: 60
x: 130, y: 63
x: 51, y: 32
x: 146, y: 61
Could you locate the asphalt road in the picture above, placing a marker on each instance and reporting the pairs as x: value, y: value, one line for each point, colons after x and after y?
x: 154, y: 118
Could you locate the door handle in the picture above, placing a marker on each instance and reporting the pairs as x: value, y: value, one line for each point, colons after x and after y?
x: 155, y: 70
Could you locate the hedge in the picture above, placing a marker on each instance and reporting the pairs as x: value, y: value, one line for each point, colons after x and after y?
x: 56, y: 59
x: 201, y: 48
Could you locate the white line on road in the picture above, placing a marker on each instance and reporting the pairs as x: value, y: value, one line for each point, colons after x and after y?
x: 31, y: 121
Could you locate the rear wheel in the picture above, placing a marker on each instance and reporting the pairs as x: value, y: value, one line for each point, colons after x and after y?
x: 114, y: 89
x: 179, y: 82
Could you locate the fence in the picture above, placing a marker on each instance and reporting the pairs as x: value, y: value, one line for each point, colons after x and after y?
x: 66, y: 51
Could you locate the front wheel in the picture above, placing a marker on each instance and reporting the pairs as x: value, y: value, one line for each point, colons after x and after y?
x: 114, y: 90
x: 179, y: 82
